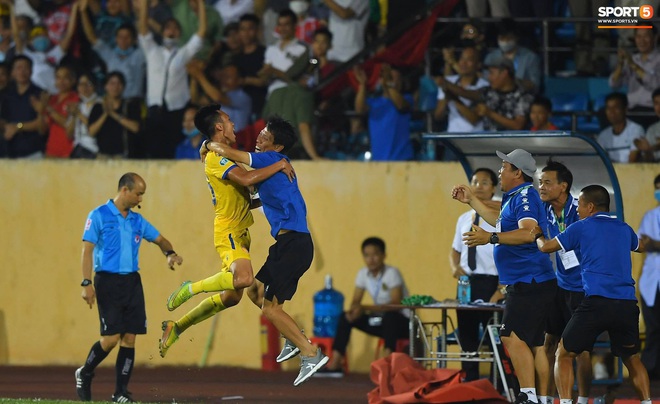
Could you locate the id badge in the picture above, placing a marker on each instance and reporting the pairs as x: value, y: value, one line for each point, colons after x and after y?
x: 375, y: 321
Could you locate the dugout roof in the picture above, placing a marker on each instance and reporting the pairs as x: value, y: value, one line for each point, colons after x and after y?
x: 588, y: 162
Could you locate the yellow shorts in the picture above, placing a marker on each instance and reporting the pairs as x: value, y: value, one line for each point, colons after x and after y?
x: 232, y: 246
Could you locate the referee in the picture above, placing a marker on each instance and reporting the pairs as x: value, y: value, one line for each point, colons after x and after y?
x: 111, y: 241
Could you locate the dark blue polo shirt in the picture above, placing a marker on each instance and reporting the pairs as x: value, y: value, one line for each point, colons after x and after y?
x: 567, y: 279
x: 605, y: 243
x: 17, y: 108
x: 521, y: 263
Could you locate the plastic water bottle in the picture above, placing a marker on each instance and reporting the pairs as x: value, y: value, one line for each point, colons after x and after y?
x: 429, y: 150
x: 464, y: 292
x: 328, y: 306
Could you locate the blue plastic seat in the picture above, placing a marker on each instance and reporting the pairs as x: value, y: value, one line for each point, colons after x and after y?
x: 565, y: 102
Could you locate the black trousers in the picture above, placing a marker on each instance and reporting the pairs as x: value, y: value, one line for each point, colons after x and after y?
x: 481, y: 287
x: 163, y: 132
x: 651, y: 352
x: 394, y: 325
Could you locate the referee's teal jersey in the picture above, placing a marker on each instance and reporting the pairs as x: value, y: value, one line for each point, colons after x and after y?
x: 117, y: 238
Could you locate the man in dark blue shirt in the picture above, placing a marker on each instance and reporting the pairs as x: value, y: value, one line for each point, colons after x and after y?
x: 609, y: 303
x: 111, y: 242
x: 561, y: 210
x: 528, y: 274
x: 291, y: 255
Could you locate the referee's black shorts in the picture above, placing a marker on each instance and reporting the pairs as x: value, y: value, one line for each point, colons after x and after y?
x: 120, y: 300
x: 526, y: 311
x: 288, y: 259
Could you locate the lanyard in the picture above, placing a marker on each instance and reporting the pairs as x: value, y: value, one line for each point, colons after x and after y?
x: 378, y: 286
x: 561, y: 222
x: 499, y: 218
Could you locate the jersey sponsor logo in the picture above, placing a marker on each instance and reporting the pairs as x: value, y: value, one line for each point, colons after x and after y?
x: 224, y: 161
x: 137, y: 239
x: 88, y: 224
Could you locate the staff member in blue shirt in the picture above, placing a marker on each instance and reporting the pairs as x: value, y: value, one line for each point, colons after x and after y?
x: 111, y: 241
x: 528, y: 274
x: 609, y: 302
x: 561, y: 210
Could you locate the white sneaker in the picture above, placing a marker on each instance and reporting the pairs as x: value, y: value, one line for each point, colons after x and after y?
x: 309, y: 365
x: 288, y: 351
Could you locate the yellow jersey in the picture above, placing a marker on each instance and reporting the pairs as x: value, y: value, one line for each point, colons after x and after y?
x: 231, y: 200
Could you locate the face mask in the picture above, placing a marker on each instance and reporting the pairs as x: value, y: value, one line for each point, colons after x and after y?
x: 657, y: 195
x: 123, y: 52
x: 190, y: 133
x: 506, y: 46
x: 170, y: 43
x: 299, y: 7
x: 41, y: 43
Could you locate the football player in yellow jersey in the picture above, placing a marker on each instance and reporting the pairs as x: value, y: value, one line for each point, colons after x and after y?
x: 227, y: 182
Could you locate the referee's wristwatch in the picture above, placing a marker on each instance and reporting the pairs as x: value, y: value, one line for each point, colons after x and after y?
x: 86, y: 282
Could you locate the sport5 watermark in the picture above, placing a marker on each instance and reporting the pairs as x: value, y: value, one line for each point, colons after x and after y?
x: 624, y: 17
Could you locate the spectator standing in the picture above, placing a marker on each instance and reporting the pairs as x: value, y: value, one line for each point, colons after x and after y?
x: 5, y: 38
x: 649, y: 283
x: 189, y: 17
x: 526, y: 64
x: 228, y: 93
x: 389, y: 115
x: 504, y: 105
x: 479, y: 265
x: 167, y: 81
x: 44, y: 56
x: 159, y: 13
x: 189, y: 147
x: 23, y: 127
x: 458, y: 110
x: 225, y: 52
x: 108, y: 19
x: 232, y: 10
x: 84, y: 145
x: 618, y: 139
x: 123, y: 55
x: 250, y: 60
x: 115, y: 121
x: 639, y: 73
x: 650, y: 147
x: 589, y: 59
x: 307, y: 24
x: 480, y: 8
x: 348, y: 22
x: 55, y: 110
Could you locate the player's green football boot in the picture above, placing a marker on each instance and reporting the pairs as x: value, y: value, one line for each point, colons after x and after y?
x: 170, y: 336
x: 179, y: 296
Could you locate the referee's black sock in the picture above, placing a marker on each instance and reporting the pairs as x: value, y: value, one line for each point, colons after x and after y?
x: 124, y: 368
x: 96, y: 356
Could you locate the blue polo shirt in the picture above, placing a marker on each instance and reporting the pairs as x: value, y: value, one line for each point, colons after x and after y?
x: 605, y: 243
x: 521, y: 263
x: 567, y: 279
x: 283, y: 203
x: 117, y: 239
